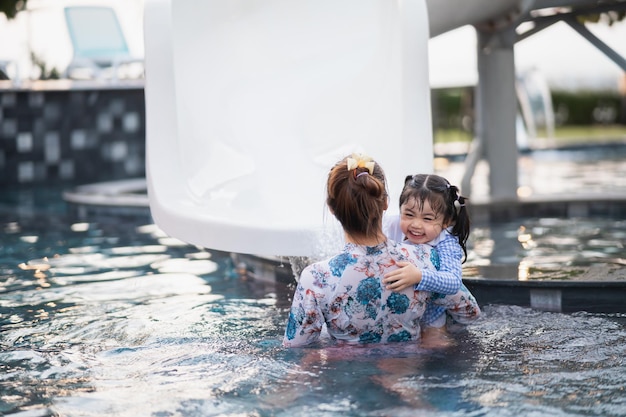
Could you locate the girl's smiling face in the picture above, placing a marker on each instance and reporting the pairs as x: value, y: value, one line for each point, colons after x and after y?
x: 420, y: 224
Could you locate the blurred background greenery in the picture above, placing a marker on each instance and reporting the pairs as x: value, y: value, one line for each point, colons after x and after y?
x: 11, y: 7
x: 580, y: 116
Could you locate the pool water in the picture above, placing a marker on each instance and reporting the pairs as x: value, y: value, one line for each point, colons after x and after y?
x: 586, y: 170
x: 588, y: 247
x: 581, y: 249
x: 108, y: 316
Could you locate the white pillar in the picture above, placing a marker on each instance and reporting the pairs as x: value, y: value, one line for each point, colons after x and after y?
x: 496, y: 107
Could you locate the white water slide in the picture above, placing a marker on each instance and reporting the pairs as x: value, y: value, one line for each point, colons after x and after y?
x: 249, y: 103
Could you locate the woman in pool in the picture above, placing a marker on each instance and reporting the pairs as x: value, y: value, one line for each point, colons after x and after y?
x: 346, y: 292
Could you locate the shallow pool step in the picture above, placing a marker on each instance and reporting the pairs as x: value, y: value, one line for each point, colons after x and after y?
x: 557, y: 296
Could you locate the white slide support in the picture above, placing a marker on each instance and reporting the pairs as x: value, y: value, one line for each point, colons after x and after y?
x: 248, y: 105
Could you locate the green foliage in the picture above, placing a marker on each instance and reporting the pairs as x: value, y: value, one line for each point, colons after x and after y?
x: 11, y: 7
x: 609, y: 17
x: 46, y: 74
x: 583, y: 114
x: 587, y: 107
x: 452, y: 108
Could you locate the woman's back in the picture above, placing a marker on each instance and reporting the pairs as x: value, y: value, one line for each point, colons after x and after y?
x: 346, y: 292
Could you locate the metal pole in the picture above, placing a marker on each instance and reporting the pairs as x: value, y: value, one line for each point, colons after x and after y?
x: 497, y: 110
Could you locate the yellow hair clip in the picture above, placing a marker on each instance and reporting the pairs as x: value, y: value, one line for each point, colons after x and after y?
x: 359, y: 160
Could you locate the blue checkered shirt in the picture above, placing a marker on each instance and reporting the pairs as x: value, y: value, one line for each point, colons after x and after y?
x: 449, y: 275
x: 446, y: 256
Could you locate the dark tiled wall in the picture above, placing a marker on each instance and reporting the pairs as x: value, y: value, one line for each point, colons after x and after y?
x: 74, y: 135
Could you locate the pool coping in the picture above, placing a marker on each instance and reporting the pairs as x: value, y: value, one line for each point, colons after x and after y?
x: 556, y: 296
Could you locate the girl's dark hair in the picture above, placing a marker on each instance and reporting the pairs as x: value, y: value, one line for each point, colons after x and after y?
x: 443, y: 198
x: 357, y: 198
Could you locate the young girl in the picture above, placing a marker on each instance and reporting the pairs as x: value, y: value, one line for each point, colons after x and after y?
x: 432, y: 212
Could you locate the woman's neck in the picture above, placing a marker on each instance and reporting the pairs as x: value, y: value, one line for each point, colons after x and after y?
x: 366, y: 241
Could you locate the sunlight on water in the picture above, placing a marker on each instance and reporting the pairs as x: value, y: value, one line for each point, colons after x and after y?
x: 550, y: 248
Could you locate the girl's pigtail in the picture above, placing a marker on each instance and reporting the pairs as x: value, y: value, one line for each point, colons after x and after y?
x: 462, y: 225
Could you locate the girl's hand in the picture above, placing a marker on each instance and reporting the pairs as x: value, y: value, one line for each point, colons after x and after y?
x: 405, y: 276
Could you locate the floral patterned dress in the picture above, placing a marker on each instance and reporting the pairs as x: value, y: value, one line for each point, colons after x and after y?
x: 346, y: 293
